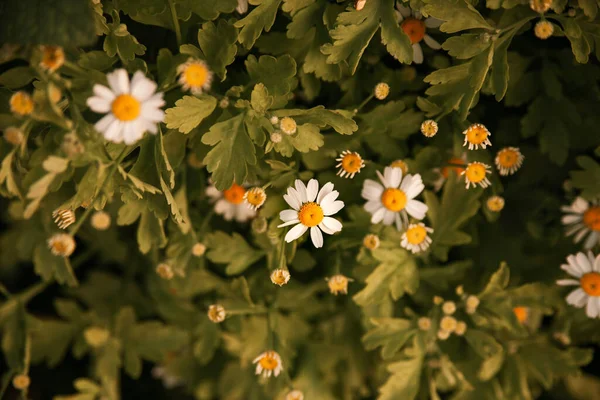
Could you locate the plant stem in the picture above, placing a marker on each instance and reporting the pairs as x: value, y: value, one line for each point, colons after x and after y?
x: 364, y: 103
x: 175, y: 22
x: 90, y: 208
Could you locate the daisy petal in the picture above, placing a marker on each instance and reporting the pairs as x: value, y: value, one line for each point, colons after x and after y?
x: 332, y: 224
x: 577, y: 298
x: 416, y: 209
x: 431, y: 42
x: 104, y: 92
x: 433, y: 22
x: 141, y: 87
x: 333, y: 208
x: 288, y: 223
x: 312, y: 189
x: 288, y: 215
x: 371, y: 190
x: 592, y: 308
x: 389, y: 218
x: 316, y: 236
x: 118, y: 81
x: 295, y: 233
x: 417, y: 53
x: 98, y: 104
x: 584, y: 262
x: 301, y: 189
x: 325, y: 190
x: 378, y: 215
x: 567, y: 282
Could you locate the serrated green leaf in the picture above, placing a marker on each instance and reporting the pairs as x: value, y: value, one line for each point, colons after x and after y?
x: 231, y: 250
x: 277, y: 74
x: 588, y: 179
x: 210, y: 9
x: 405, y: 377
x: 218, y: 45
x: 49, y: 266
x: 459, y: 15
x: 259, y: 19
x: 389, y: 333
x: 189, y: 112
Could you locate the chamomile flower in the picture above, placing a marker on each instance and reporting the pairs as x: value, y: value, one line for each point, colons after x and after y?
x: 230, y: 203
x: 477, y: 135
x: 461, y: 328
x: 338, y: 284
x: 382, y: 90
x: 495, y: 203
x: 195, y: 76
x: 311, y: 208
x: 449, y: 307
x: 448, y: 324
x: 586, y: 268
x: 471, y: 304
x: 198, y: 249
x: 268, y: 364
x: 394, y: 199
x: 521, y: 313
x: 165, y: 271
x: 582, y: 219
x: 216, y: 313
x: 371, y: 241
x: 424, y: 323
x: 295, y: 394
x: 476, y: 174
x: 429, y: 128
x: 349, y: 163
x: 21, y: 382
x: 400, y: 164
x: 540, y: 6
x: 242, y: 6
x: 288, y: 125
x: 543, y: 29
x: 416, y: 238
x: 360, y: 4
x: 131, y: 108
x: 454, y: 164
x: 416, y: 28
x: 255, y: 197
x: 53, y: 57
x: 101, y: 220
x: 509, y: 160
x: 276, y: 137
x: 61, y: 244
x: 63, y: 218
x: 280, y: 276
x: 13, y: 135
x: 71, y: 145
x: 21, y: 103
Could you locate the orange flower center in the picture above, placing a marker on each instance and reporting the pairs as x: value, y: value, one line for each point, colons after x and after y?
x: 196, y: 75
x: 475, y: 173
x: 269, y: 362
x: 477, y: 134
x: 414, y: 28
x: 590, y: 283
x: 60, y: 247
x: 591, y: 218
x: 235, y: 194
x: 21, y: 103
x: 352, y: 163
x: 416, y: 234
x: 53, y: 57
x: 393, y: 199
x: 310, y: 214
x: 126, y: 107
x: 508, y: 158
x: 337, y: 284
x: 521, y: 313
x: 457, y: 170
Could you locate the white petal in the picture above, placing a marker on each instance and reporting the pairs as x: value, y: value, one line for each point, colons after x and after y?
x: 104, y: 92
x: 213, y: 192
x: 371, y: 190
x: 312, y: 189
x: 114, y: 132
x: 415, y: 188
x: 571, y: 219
x: 393, y: 176
x: 225, y: 208
x: 118, y: 80
x: 577, y: 298
x: 301, y: 189
x: 288, y: 215
x: 372, y: 206
x: 389, y: 218
x: 433, y: 22
x: 580, y: 235
x: 417, y: 53
x: 333, y: 208
x: 378, y: 215
x: 142, y: 88
x: 416, y: 209
x: 383, y: 180
x: 592, y: 308
x: 102, y: 124
x: 292, y: 198
x: 325, y: 229
x: 580, y: 205
x: 584, y: 262
x: 398, y: 222
x: 572, y: 261
x: 567, y: 282
x: 98, y: 104
x: 152, y: 113
x: 591, y: 241
x: 316, y: 236
x: 597, y: 263
x: 332, y: 224
x: 243, y: 213
x: 325, y: 190
x: 288, y: 223
x: 405, y: 11
x: 431, y: 42
x: 329, y: 199
x: 295, y: 232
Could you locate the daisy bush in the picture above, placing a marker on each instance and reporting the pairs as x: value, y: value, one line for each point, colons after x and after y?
x: 299, y: 199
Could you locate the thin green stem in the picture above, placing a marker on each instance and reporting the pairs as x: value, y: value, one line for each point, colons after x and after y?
x: 5, y: 383
x: 282, y: 263
x: 5, y: 291
x: 248, y: 311
x: 270, y: 339
x: 90, y: 208
x: 364, y: 103
x: 175, y: 22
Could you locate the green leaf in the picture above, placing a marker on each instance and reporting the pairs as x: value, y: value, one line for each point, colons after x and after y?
x: 218, y: 45
x: 307, y: 138
x: 277, y: 74
x: 405, y: 377
x: 336, y: 119
x: 260, y: 99
x: 467, y: 45
x: 150, y: 232
x: 96, y: 59
x: 459, y: 15
x: 233, y: 152
x: 49, y: 266
x: 355, y: 29
x: 120, y: 42
x: 210, y: 9
x: 457, y: 206
x: 389, y: 333
x: 587, y: 179
x: 231, y: 250
x: 189, y: 112
x: 65, y: 23
x: 259, y: 19
x: 487, y: 348
x: 17, y: 77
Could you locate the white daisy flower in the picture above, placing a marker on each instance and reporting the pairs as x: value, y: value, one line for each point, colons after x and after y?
x: 476, y: 174
x: 230, y: 203
x: 582, y: 218
x: 349, y: 163
x: 586, y: 268
x: 416, y: 238
x: 415, y: 27
x: 131, y: 108
x: 509, y: 160
x: 195, y: 76
x: 268, y: 363
x: 395, y: 199
x: 311, y: 208
x: 477, y: 135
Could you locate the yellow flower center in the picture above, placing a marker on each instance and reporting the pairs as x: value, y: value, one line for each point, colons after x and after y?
x: 60, y: 246
x: 126, y: 107
x: 590, y: 283
x: 393, y: 199
x: 338, y: 284
x: 288, y: 125
x: 414, y: 28
x: 21, y: 103
x: 591, y: 218
x: 279, y: 277
x: 458, y: 170
x: 416, y: 234
x: 235, y: 194
x: 352, y: 163
x: 521, y: 313
x: 477, y: 134
x: 371, y: 242
x: 196, y: 75
x: 508, y: 158
x: 269, y: 361
x: 256, y: 197
x: 475, y: 172
x: 495, y: 203
x: 310, y: 214
x: 53, y: 57
x: 400, y: 164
